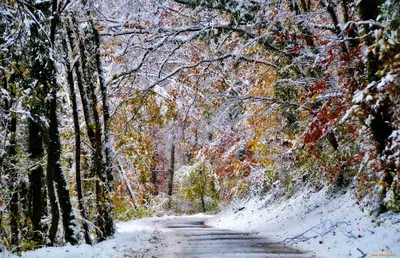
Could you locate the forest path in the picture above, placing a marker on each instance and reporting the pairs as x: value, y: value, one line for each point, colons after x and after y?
x: 187, y: 236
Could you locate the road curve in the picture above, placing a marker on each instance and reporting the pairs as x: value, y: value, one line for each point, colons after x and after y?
x: 188, y: 237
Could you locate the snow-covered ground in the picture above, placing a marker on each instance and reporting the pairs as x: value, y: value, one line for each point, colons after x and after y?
x: 132, y: 237
x: 325, y: 224
x: 316, y: 222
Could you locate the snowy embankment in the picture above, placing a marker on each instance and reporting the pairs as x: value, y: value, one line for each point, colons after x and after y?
x: 132, y: 237
x: 324, y: 224
x: 316, y: 222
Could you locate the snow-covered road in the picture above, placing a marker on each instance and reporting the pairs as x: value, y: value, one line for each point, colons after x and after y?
x: 174, y: 236
x: 187, y: 236
x: 323, y: 224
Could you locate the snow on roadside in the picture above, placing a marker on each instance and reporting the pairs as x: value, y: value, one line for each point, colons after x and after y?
x: 132, y: 237
x: 314, y: 221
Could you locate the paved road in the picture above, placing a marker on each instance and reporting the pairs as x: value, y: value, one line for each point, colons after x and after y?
x: 189, y: 237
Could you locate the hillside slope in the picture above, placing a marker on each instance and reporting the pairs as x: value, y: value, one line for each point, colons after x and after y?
x: 329, y: 225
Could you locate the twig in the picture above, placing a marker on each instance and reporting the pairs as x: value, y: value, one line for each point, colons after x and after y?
x: 363, y: 254
x: 302, y: 238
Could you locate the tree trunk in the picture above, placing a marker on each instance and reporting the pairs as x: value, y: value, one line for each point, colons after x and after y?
x: 109, y: 177
x: 70, y: 79
x: 106, y: 108
x: 36, y: 191
x: 35, y: 195
x: 103, y: 218
x: 54, y: 145
x: 352, y: 30
x: 36, y: 152
x: 203, y: 186
x: 11, y: 164
x: 125, y: 179
x: 203, y: 203
x: 81, y: 77
x: 88, y: 96
x: 171, y: 166
x: 380, y: 125
x: 76, y: 45
x: 55, y: 214
x: 154, y: 179
x: 54, y: 168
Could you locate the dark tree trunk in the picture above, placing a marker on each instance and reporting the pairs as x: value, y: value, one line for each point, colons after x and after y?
x: 108, y: 178
x: 80, y: 66
x: 380, y: 125
x: 203, y: 203
x: 104, y: 220
x: 54, y: 209
x: 369, y: 10
x: 81, y: 77
x: 203, y: 185
x: 106, y: 108
x: 10, y: 165
x: 3, y: 83
x: 54, y: 167
x: 54, y: 145
x: 381, y: 129
x: 34, y: 193
x: 171, y: 167
x: 55, y: 214
x: 332, y: 140
x: 35, y: 196
x: 154, y: 177
x: 75, y: 115
x: 36, y: 152
x: 101, y: 188
x: 330, y: 8
x: 14, y: 211
x: 352, y: 30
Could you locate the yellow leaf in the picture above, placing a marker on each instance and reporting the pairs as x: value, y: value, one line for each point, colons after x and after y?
x: 314, y: 97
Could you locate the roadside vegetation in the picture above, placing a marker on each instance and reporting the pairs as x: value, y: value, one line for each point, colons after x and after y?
x: 115, y: 110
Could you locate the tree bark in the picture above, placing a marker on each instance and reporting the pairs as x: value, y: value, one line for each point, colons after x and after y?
x: 54, y: 145
x: 11, y: 165
x: 381, y: 122
x: 81, y: 77
x: 106, y: 108
x: 109, y: 173
x: 352, y: 31
x: 104, y: 220
x: 77, y: 132
x: 125, y: 179
x: 35, y: 195
x: 54, y: 168
x: 171, y: 166
x: 55, y: 213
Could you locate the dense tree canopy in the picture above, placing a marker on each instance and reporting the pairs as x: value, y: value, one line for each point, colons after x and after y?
x: 122, y: 109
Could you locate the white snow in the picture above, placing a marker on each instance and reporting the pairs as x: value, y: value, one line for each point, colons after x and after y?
x: 358, y: 97
x: 324, y: 224
x: 131, y: 237
x: 385, y: 81
x: 348, y: 113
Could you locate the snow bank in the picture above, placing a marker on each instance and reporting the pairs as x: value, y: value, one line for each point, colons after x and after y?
x: 314, y: 221
x: 132, y: 237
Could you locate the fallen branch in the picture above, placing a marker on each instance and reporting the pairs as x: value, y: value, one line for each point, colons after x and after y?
x: 363, y: 254
x: 302, y: 237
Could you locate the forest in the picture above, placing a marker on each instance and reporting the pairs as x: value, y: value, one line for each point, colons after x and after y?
x: 116, y: 110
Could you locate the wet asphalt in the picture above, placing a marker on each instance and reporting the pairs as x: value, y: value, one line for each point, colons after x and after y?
x: 189, y: 237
